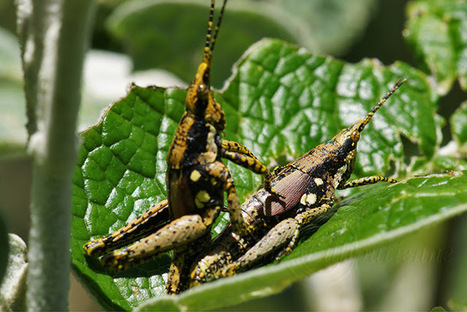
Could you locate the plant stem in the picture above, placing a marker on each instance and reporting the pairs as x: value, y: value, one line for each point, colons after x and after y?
x: 54, y: 36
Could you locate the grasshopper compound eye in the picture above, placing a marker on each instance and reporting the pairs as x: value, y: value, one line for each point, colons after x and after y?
x: 203, y: 91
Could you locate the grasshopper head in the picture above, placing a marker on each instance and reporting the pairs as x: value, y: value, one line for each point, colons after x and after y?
x: 199, y: 100
x: 347, y: 139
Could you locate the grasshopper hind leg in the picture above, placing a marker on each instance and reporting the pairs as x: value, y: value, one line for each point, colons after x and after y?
x: 182, y: 264
x: 173, y: 236
x: 152, y: 219
x: 284, y: 234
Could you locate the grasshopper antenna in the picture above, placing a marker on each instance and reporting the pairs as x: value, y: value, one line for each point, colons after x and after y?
x: 370, y: 115
x: 218, y: 25
x: 210, y: 39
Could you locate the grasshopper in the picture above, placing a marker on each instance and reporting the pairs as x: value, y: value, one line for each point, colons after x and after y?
x: 196, y: 181
x: 308, y: 186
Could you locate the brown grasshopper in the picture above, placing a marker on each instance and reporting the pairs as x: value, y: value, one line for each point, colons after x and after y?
x: 196, y: 181
x: 307, y: 186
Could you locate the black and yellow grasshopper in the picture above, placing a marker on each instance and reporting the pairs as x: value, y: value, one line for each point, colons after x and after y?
x: 196, y: 181
x: 307, y: 186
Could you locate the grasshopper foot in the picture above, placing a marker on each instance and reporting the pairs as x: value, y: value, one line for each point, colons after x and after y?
x: 283, y: 253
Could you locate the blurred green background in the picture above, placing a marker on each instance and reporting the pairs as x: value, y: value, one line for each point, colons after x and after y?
x: 160, y: 42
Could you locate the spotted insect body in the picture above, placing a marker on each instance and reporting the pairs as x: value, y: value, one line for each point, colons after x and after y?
x: 307, y: 186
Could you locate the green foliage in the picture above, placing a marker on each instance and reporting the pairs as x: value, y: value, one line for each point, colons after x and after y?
x: 436, y: 29
x: 153, y: 39
x: 280, y: 102
x: 147, y: 31
x: 459, y: 126
x: 295, y: 100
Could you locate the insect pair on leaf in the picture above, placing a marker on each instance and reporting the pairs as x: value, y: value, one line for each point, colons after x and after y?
x: 269, y: 221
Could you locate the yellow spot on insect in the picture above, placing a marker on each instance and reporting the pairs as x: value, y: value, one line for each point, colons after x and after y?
x: 201, y: 198
x: 318, y: 181
x: 195, y: 175
x: 308, y: 199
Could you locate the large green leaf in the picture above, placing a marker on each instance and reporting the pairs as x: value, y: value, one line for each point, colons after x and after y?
x: 281, y: 102
x: 437, y: 29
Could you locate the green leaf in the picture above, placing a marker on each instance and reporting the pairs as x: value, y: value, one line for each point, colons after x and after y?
x: 323, y: 26
x: 446, y: 162
x: 281, y: 102
x: 437, y: 30
x: 292, y: 101
x: 459, y: 126
x: 456, y: 305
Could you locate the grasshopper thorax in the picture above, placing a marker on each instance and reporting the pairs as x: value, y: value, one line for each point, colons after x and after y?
x: 346, y: 141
